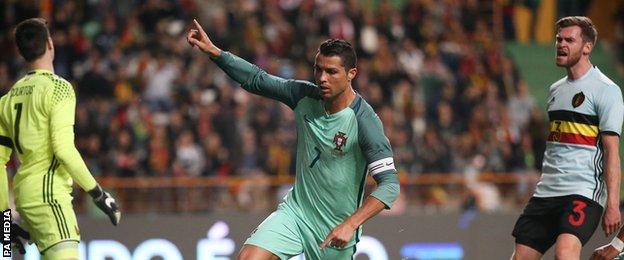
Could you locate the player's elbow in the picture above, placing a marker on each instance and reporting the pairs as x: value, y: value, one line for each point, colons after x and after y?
x: 63, y: 151
x: 388, y: 188
x: 394, y: 189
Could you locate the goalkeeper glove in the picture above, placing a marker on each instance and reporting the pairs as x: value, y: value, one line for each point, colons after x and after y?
x: 106, y: 203
x: 17, y: 234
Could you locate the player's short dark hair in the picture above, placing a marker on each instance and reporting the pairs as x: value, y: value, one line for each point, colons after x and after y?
x: 341, y: 48
x: 588, y: 30
x: 31, y: 36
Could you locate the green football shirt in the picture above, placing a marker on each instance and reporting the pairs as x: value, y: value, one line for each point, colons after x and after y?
x: 36, y: 121
x: 334, y: 151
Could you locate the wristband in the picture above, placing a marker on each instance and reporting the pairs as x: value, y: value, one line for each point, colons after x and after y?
x: 617, y: 244
x: 96, y: 192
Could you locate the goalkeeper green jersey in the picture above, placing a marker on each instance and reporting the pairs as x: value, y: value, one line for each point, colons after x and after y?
x: 334, y: 151
x: 36, y: 120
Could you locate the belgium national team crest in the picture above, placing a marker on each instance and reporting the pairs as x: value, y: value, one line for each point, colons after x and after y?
x: 340, y: 139
x: 578, y: 99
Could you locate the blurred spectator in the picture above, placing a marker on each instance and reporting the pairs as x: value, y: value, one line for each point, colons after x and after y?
x: 159, y: 77
x: 124, y: 156
x: 619, y: 35
x: 572, y: 8
x: 159, y: 152
x: 433, y: 153
x: 189, y: 160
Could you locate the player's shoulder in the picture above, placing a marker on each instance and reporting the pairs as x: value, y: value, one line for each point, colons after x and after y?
x: 604, y: 81
x: 61, y: 88
x: 558, y: 83
x: 60, y: 82
x: 365, y: 114
x: 362, y: 108
x: 370, y: 127
x: 45, y: 78
x: 3, y: 99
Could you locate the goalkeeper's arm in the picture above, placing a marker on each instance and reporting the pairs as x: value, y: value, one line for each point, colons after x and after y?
x: 17, y: 233
x: 62, y: 138
x: 6, y: 146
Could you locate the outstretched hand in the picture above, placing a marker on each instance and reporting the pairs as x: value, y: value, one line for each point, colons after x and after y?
x: 197, y: 37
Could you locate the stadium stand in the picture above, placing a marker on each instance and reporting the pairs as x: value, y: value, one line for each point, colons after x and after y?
x: 152, y: 115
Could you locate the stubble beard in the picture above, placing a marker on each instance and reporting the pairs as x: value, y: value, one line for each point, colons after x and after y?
x: 570, y: 61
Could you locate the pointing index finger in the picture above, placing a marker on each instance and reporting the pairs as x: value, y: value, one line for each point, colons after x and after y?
x: 325, y: 242
x: 199, y: 27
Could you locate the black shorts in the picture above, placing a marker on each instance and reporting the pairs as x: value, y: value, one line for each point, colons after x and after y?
x: 544, y: 219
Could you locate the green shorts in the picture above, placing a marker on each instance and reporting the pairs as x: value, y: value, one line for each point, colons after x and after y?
x: 283, y: 234
x: 49, y: 224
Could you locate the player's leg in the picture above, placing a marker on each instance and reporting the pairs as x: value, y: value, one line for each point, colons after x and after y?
x: 50, y: 224
x: 277, y: 237
x: 568, y: 246
x: 66, y: 250
x: 536, y: 229
x: 578, y: 221
x: 336, y: 253
x: 251, y: 252
x: 523, y: 252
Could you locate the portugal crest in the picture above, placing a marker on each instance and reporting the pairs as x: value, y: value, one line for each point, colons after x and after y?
x: 340, y: 139
x: 578, y: 99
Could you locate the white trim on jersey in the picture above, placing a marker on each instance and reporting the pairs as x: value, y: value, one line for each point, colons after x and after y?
x: 379, y: 166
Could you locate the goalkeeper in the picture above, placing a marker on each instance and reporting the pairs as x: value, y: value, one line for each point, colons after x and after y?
x: 36, y: 122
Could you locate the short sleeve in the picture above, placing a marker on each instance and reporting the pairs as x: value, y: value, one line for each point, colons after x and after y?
x: 610, y: 109
x: 372, y: 140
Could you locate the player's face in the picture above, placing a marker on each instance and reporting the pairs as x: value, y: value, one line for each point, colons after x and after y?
x: 570, y: 46
x: 331, y: 76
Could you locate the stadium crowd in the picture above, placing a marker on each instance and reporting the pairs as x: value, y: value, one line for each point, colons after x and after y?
x: 436, y: 72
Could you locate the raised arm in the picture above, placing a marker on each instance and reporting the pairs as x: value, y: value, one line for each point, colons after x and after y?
x: 251, y: 77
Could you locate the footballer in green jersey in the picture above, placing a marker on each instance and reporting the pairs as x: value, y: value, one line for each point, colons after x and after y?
x: 37, y: 125
x: 340, y: 141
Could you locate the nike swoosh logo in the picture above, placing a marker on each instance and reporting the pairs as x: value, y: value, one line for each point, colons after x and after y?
x: 388, y: 164
x: 305, y: 118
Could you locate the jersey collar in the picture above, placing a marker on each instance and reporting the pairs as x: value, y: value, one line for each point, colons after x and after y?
x: 38, y: 71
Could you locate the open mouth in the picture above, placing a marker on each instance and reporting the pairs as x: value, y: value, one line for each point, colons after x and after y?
x: 561, y: 54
